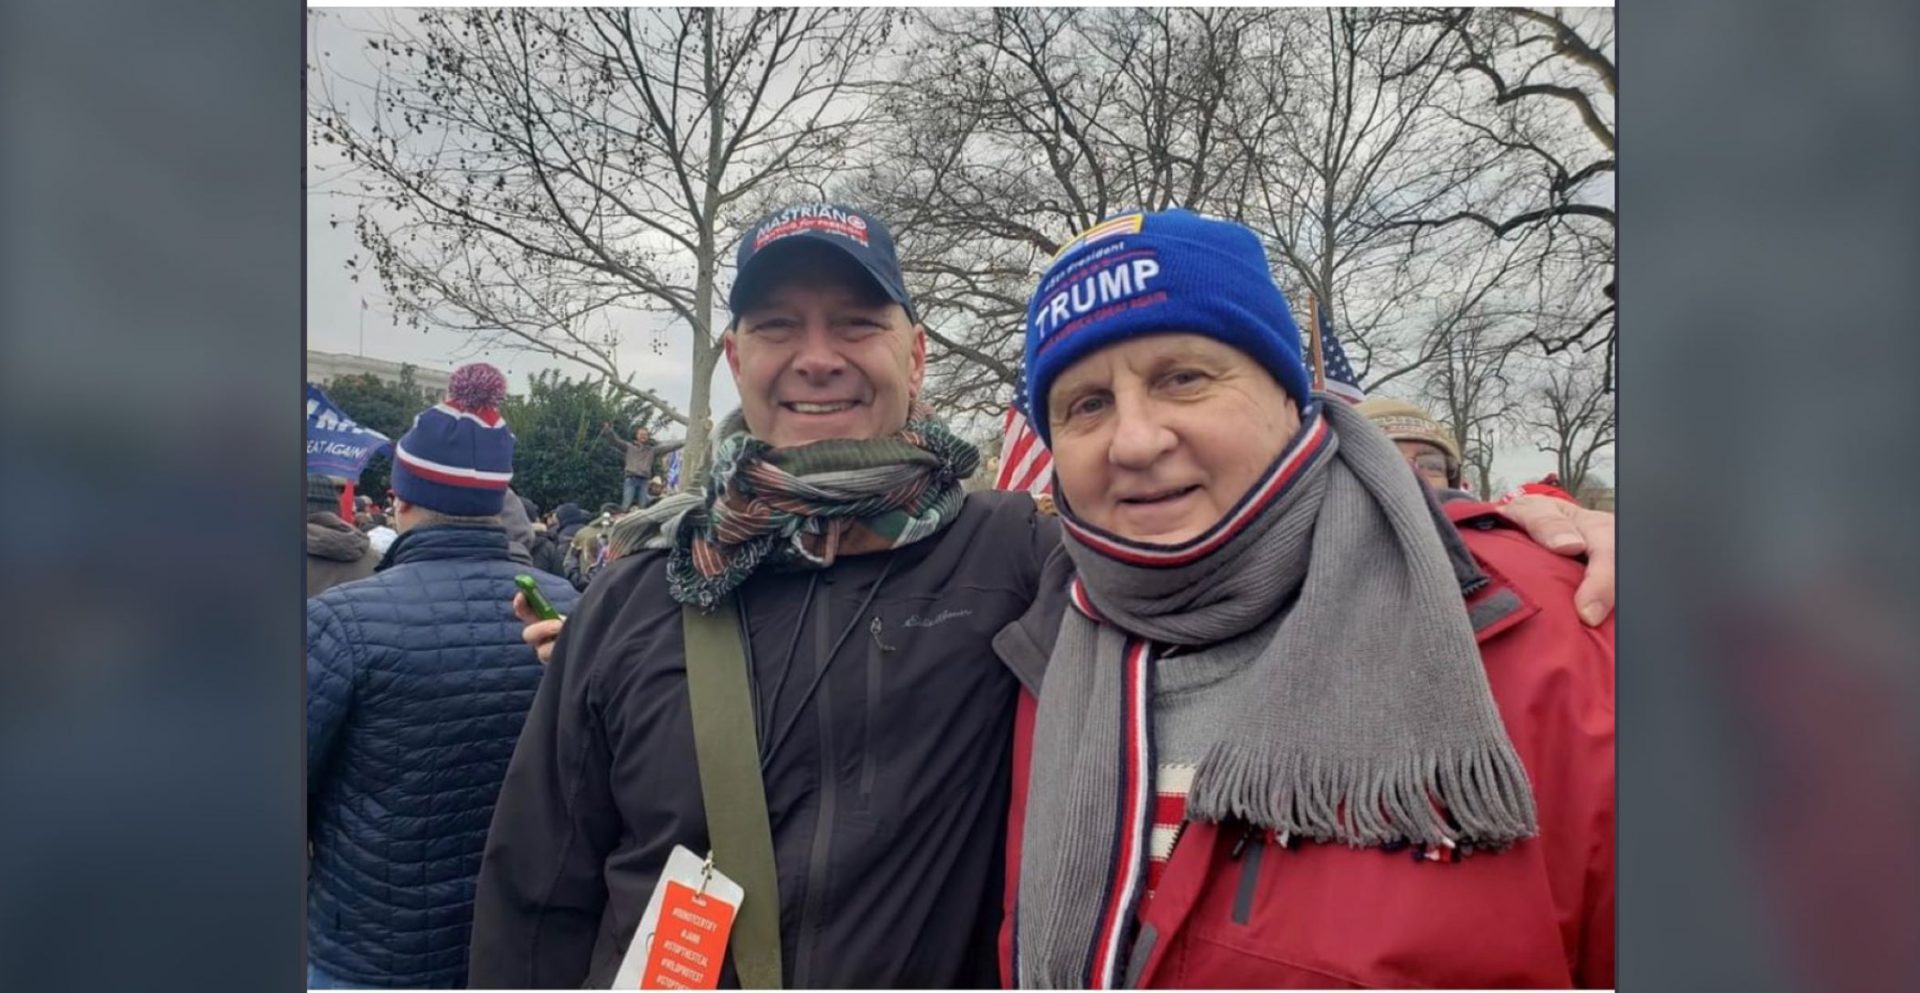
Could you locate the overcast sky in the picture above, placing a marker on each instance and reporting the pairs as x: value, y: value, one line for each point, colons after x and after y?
x: 356, y: 318
x: 336, y: 321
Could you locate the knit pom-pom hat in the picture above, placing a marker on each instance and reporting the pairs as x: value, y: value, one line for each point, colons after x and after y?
x: 458, y: 456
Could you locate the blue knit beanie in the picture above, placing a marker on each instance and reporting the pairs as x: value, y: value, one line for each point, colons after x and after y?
x: 1172, y: 271
x: 458, y: 456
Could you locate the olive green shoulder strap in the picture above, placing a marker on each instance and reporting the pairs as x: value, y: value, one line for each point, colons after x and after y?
x: 728, y: 752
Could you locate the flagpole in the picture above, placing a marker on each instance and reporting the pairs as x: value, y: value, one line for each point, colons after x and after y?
x: 1319, y: 361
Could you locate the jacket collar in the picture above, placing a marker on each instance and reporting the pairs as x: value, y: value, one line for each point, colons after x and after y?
x: 1466, y: 571
x: 447, y: 541
x: 1495, y: 604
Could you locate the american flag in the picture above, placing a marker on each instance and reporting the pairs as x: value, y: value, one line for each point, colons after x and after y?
x: 1337, y: 376
x: 1025, y: 463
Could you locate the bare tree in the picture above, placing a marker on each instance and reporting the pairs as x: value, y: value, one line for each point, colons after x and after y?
x: 1314, y: 127
x: 1355, y: 136
x: 1039, y: 123
x: 1470, y: 386
x: 1321, y: 129
x: 1542, y: 116
x: 538, y: 177
x: 1572, y: 416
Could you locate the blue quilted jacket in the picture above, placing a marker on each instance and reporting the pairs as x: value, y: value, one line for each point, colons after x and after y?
x: 417, y: 685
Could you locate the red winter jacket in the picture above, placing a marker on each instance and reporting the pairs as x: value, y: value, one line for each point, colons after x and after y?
x: 1239, y: 911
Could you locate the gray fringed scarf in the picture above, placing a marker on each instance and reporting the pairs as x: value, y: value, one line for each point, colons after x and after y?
x: 1376, y: 725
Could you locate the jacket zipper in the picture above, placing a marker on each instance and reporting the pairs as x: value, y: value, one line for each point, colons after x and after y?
x: 1249, y: 872
x: 869, y: 767
x: 813, y: 907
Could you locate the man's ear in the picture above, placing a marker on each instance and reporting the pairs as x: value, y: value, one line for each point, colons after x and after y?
x: 919, y: 360
x: 732, y: 348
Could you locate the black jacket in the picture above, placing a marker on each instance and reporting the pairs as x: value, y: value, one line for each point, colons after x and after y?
x: 548, y: 555
x: 887, y: 798
x: 568, y: 518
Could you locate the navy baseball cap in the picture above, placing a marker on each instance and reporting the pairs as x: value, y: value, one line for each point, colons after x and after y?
x: 856, y: 233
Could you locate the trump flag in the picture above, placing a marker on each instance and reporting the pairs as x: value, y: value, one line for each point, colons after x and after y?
x: 336, y: 445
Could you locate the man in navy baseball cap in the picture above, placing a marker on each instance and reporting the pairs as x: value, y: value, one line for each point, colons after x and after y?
x: 824, y: 342
x: 773, y: 245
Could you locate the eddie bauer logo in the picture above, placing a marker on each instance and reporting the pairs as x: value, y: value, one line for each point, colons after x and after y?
x: 916, y: 621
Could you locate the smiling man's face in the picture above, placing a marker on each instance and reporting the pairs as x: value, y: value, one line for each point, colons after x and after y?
x: 823, y: 353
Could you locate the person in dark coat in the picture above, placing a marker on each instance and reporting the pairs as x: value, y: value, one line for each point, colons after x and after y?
x: 513, y: 517
x: 417, y: 685
x: 887, y: 782
x: 568, y: 519
x: 337, y: 552
x: 547, y: 556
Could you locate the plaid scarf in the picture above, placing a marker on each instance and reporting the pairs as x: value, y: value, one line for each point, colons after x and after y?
x: 808, y: 505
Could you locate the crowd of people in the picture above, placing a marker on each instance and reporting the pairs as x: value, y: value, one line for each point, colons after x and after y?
x: 1259, y: 698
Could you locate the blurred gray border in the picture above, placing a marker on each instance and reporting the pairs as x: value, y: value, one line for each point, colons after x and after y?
x: 150, y: 292
x: 151, y: 716
x: 1769, y: 767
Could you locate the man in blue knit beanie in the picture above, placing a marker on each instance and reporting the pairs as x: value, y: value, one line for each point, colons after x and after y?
x: 1143, y: 272
x: 417, y: 686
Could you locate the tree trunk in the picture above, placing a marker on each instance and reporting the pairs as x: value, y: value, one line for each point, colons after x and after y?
x: 706, y: 350
x: 1573, y: 470
x: 706, y: 355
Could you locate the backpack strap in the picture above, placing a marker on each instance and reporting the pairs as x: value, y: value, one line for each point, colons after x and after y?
x: 728, y: 751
